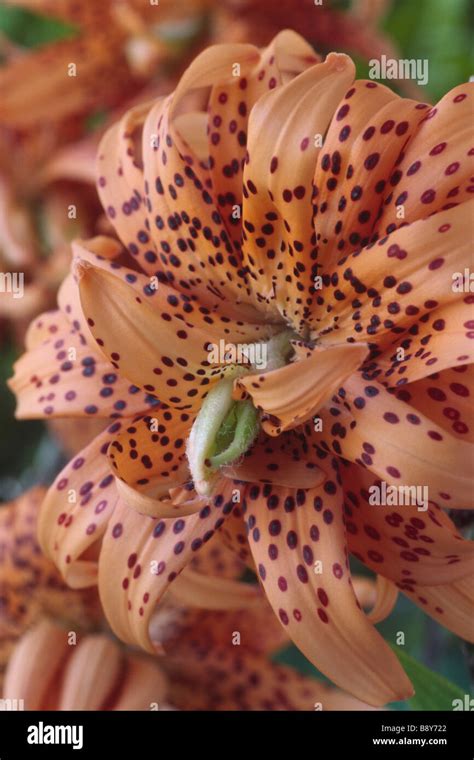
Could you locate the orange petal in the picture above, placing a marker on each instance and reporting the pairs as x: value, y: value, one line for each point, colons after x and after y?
x: 218, y: 560
x: 30, y: 584
x: 446, y: 398
x: 243, y: 681
x: 120, y: 183
x: 17, y: 235
x: 121, y: 321
x: 151, y: 450
x: 452, y: 605
x: 61, y: 376
x: 279, y: 247
x: 39, y: 87
x: 221, y: 321
x: 188, y: 632
x: 141, y: 556
x: 443, y: 339
x: 437, y: 166
x: 193, y: 246
x: 386, y: 595
x: 365, y: 424
x: 194, y: 589
x: 144, y: 684
x: 402, y: 543
x: 293, y: 394
x: 286, y: 56
x: 365, y: 300
x: 300, y: 551
x: 76, y: 510
x: 367, y: 134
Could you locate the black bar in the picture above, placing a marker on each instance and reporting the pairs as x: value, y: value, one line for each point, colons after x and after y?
x: 141, y: 734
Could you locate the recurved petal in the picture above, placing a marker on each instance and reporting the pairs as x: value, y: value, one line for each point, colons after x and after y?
x: 193, y: 247
x: 300, y: 552
x: 194, y: 589
x: 436, y: 169
x: 366, y: 424
x: 141, y: 556
x: 120, y: 184
x: 76, y: 510
x: 171, y: 497
x: 279, y: 246
x: 61, y: 376
x: 222, y: 321
x: 159, y: 161
x: 132, y: 336
x: 386, y: 595
x: 293, y: 394
x: 446, y: 398
x: 287, y: 55
x: 365, y: 139
x: 451, y: 604
x: 407, y: 545
x: 391, y: 291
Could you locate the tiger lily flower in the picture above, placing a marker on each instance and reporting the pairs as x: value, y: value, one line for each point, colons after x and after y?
x: 30, y: 585
x: 270, y: 216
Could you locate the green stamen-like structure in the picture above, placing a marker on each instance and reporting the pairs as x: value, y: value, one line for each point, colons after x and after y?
x: 224, y: 428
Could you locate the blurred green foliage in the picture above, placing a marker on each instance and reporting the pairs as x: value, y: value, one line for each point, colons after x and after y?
x: 32, y: 30
x: 442, y: 32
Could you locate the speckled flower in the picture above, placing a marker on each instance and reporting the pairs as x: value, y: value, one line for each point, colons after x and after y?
x: 339, y: 261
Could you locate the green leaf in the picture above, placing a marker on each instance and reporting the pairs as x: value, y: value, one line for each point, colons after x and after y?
x: 32, y: 30
x: 432, y: 691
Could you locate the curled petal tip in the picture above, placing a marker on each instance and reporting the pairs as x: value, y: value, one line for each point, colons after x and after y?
x: 339, y: 61
x: 79, y: 267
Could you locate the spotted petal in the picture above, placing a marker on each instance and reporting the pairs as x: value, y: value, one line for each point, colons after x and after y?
x: 293, y: 394
x: 360, y: 424
x: 299, y: 548
x: 436, y: 169
x: 141, y: 557
x: 76, y: 510
x: 365, y: 139
x: 405, y: 544
x: 279, y: 241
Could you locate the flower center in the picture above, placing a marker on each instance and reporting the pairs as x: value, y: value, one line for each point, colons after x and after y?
x: 225, y: 428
